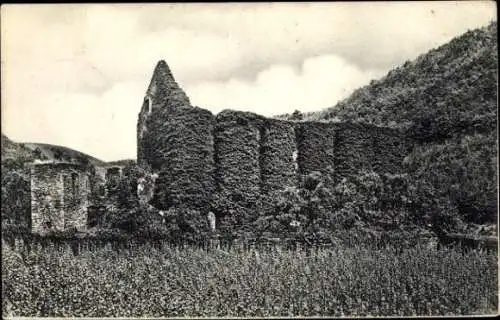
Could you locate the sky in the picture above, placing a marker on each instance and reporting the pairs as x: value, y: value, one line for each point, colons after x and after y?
x: 75, y: 74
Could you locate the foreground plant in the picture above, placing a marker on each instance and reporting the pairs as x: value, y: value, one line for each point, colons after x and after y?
x: 146, y: 281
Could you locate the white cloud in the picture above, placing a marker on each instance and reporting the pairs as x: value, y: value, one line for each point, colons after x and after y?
x: 319, y: 83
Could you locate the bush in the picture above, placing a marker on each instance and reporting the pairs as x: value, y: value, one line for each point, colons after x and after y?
x: 304, y: 212
x: 318, y: 210
x: 16, y: 195
x: 187, y: 224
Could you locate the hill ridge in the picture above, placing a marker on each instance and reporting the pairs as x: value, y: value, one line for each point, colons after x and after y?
x: 462, y: 71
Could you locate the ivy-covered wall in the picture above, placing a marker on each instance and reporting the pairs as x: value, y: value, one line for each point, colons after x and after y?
x: 278, y: 156
x: 185, y: 143
x: 226, y: 163
x: 354, y: 150
x: 237, y: 145
x: 316, y: 143
x: 389, y: 149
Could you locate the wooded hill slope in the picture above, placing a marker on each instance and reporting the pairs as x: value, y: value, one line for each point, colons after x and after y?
x: 28, y: 152
x: 15, y: 151
x: 450, y: 89
x: 446, y: 100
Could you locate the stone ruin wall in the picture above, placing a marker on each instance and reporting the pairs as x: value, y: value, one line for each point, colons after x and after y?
x: 162, y: 96
x: 237, y: 155
x: 59, y: 197
x: 278, y: 156
x: 349, y: 147
x: 240, y: 156
x: 186, y: 146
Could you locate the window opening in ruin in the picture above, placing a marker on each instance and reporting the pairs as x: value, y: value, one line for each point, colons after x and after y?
x: 74, y: 178
x: 147, y: 104
x: 93, y: 217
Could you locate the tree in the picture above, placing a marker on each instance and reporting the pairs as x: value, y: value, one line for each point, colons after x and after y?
x: 304, y: 211
x: 15, y: 198
x: 297, y: 115
x: 58, y: 154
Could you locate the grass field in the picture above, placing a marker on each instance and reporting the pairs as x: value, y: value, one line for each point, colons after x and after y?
x: 270, y: 282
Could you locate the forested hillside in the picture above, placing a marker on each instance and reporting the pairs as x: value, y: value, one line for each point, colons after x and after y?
x: 27, y: 152
x: 449, y: 89
x: 15, y: 151
x: 446, y: 100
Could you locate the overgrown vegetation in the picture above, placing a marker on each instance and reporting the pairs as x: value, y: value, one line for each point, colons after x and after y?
x: 339, y: 281
x: 16, y: 209
x: 319, y: 207
x: 365, y: 203
x: 464, y: 171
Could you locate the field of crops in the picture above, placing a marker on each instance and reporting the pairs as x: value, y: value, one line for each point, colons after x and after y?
x: 153, y: 282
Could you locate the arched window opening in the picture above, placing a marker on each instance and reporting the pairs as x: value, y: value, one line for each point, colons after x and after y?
x: 147, y: 105
x: 87, y: 183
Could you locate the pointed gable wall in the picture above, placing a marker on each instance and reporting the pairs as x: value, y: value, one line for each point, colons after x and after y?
x: 163, y: 90
x: 175, y: 143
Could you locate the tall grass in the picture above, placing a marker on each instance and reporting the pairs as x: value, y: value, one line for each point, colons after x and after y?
x: 148, y: 281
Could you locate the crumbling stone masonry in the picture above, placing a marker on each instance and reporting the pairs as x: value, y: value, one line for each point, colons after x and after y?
x: 59, y: 196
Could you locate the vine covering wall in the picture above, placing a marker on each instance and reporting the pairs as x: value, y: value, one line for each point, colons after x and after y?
x: 226, y: 163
